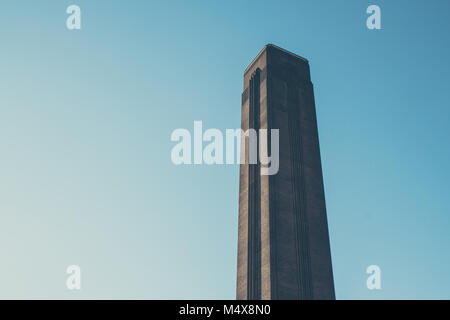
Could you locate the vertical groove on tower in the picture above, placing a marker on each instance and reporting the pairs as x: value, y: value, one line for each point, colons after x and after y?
x: 272, y: 200
x: 254, y: 195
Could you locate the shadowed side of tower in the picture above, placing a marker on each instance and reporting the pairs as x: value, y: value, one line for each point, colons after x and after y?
x: 283, y: 243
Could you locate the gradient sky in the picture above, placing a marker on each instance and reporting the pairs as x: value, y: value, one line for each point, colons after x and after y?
x: 85, y: 124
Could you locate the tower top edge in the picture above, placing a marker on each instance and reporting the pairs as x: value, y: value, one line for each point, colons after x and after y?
x: 270, y: 45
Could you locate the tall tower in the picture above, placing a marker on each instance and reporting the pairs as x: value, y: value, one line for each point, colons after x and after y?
x: 283, y: 245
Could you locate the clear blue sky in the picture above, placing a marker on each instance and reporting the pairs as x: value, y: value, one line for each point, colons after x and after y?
x: 85, y: 124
